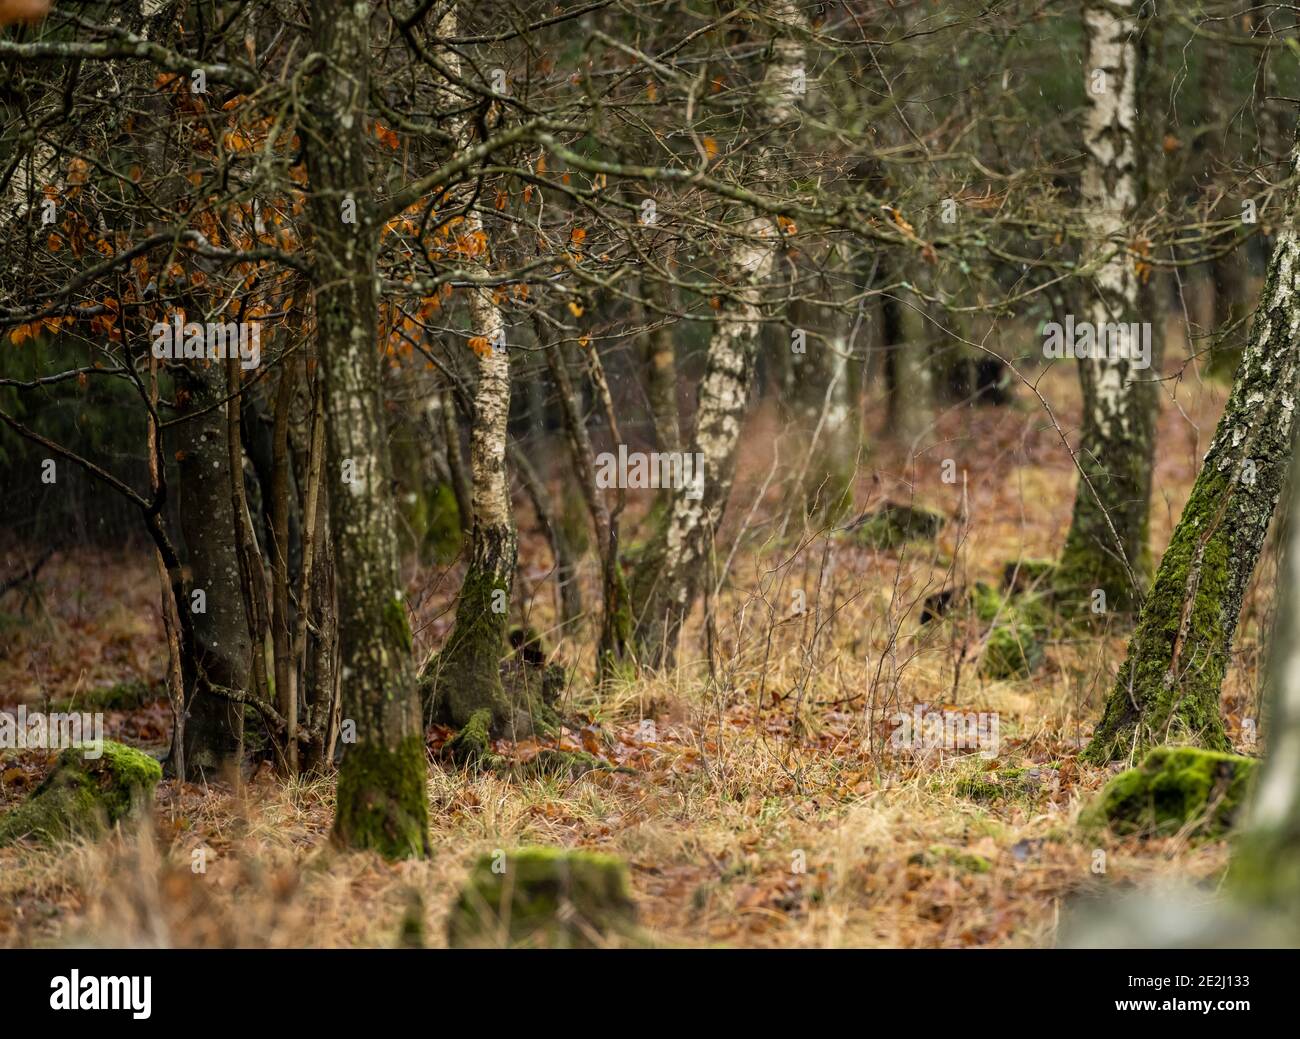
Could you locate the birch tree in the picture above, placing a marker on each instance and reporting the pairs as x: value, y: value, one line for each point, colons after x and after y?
x: 468, y: 668
x: 1168, y: 689
x: 677, y: 560
x: 1107, y: 539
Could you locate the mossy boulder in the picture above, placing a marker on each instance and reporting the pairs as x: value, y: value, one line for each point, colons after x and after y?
x: 1175, y: 789
x: 1012, y: 650
x: 544, y: 897
x: 1013, y: 645
x: 895, y: 524
x: 1014, y: 626
x: 85, y: 796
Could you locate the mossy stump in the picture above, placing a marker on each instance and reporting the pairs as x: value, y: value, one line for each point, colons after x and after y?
x: 1012, y: 650
x: 529, y: 691
x: 1013, y: 646
x: 545, y: 898
x: 894, y: 524
x: 85, y: 796
x: 1175, y: 789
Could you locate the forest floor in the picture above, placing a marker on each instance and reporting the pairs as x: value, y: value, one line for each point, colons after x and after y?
x: 766, y: 805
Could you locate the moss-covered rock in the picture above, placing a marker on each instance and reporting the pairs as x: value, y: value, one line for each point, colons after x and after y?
x: 85, y: 796
x: 1013, y: 645
x: 1012, y: 650
x: 1200, y: 792
x: 544, y: 897
x: 1014, y: 626
x: 895, y: 524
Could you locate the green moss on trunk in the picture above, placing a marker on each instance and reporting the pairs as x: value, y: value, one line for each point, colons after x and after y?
x: 469, y: 668
x: 1168, y: 689
x: 475, y: 674
x: 383, y: 803
x: 617, y: 623
x: 473, y: 744
x: 1090, y: 563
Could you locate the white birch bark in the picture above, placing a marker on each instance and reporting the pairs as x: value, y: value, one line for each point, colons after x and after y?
x: 683, y: 544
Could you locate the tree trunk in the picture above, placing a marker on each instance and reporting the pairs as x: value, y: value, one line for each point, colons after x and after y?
x: 1231, y: 311
x: 824, y: 412
x: 214, y: 729
x: 661, y: 366
x: 1266, y: 866
x: 615, y: 628
x: 469, y: 667
x: 1168, y: 688
x: 442, y: 411
x: 286, y: 674
x: 382, y: 801
x: 567, y: 590
x: 906, y: 335
x: 675, y: 562
x: 1227, y: 288
x: 1105, y: 547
